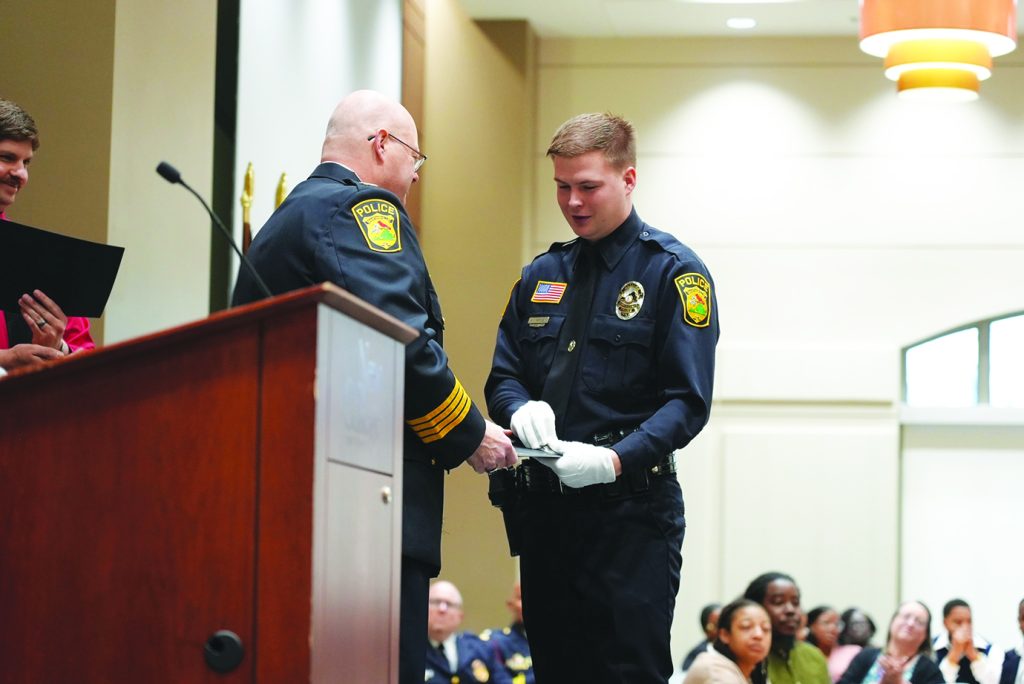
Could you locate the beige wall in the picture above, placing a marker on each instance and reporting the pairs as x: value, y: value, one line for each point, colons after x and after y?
x: 164, y: 60
x: 479, y: 95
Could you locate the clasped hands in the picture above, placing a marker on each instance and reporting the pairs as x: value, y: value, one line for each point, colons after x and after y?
x: 580, y: 464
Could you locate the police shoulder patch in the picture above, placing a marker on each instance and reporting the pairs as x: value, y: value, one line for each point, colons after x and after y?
x: 695, y: 293
x: 381, y: 225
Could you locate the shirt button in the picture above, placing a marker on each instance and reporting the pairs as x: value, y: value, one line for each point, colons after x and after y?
x: 618, y: 338
x: 644, y: 234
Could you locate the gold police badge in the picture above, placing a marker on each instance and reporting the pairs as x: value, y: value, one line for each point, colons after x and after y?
x: 695, y: 292
x: 631, y: 298
x: 380, y: 223
x: 480, y: 671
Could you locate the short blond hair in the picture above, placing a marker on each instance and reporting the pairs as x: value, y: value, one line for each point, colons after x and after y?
x: 606, y: 132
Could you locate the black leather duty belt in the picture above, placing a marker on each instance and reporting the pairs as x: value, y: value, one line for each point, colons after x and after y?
x: 532, y: 477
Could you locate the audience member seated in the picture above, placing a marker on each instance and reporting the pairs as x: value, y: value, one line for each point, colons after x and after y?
x: 454, y: 657
x: 40, y: 330
x: 742, y: 640
x: 1013, y: 669
x: 857, y: 628
x: 709, y: 623
x: 510, y: 645
x: 961, y: 657
x: 790, y: 661
x: 823, y: 626
x: 906, y: 655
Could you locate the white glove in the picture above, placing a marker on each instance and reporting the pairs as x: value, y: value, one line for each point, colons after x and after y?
x: 583, y: 464
x: 534, y: 424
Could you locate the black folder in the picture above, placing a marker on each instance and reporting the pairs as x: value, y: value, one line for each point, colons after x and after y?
x: 77, y: 274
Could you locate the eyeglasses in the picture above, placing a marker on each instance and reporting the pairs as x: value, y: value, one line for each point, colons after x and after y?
x: 420, y: 157
x: 437, y: 603
x: 912, y: 619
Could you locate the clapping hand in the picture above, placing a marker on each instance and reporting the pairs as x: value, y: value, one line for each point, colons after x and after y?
x: 892, y: 669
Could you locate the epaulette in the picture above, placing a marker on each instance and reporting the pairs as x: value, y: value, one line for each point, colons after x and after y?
x: 556, y: 247
x: 668, y: 243
x: 485, y: 635
x: 507, y: 630
x: 563, y: 245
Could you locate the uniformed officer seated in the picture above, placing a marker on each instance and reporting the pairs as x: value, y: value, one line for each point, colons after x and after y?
x: 456, y: 658
x: 511, y: 648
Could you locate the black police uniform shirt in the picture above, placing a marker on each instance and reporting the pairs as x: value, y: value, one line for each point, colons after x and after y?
x: 513, y: 651
x: 358, y: 236
x: 476, y: 663
x: 648, y: 357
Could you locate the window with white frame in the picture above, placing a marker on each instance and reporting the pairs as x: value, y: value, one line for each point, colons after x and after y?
x: 978, y: 365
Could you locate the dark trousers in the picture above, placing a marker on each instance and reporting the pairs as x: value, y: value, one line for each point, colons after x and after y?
x: 599, y: 580
x: 412, y: 639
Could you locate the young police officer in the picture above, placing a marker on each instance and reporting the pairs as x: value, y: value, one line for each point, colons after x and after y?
x: 605, y: 355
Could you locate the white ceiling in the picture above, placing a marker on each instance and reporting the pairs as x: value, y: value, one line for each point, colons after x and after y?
x: 620, y: 18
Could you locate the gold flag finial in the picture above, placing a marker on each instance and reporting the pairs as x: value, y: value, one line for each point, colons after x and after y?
x: 282, y: 190
x: 246, y: 199
x: 247, y: 192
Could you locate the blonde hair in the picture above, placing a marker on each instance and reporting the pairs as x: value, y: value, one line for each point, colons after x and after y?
x: 611, y: 134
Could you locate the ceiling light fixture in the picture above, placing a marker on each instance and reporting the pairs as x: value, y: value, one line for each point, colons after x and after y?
x: 741, y: 23
x: 938, y: 49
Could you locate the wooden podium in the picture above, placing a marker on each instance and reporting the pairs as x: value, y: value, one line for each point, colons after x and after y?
x: 239, y: 475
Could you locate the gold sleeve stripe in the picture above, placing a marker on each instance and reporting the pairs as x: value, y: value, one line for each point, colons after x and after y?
x: 443, y: 419
x: 452, y: 423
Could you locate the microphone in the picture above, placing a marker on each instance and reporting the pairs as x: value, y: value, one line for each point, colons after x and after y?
x: 173, y: 176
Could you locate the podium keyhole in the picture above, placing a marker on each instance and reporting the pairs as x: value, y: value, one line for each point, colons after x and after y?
x: 223, y: 651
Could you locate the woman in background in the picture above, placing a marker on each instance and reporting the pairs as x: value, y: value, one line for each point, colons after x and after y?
x: 906, y: 655
x: 858, y: 628
x: 743, y: 640
x: 823, y: 631
x: 790, y: 661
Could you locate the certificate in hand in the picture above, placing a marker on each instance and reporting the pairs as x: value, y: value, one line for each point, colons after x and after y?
x: 77, y: 274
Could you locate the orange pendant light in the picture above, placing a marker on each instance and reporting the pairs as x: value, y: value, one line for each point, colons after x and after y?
x: 938, y: 49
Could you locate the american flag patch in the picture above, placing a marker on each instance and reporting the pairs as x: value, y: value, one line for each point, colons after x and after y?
x: 547, y: 292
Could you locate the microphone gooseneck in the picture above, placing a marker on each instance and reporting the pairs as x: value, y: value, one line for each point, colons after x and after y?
x: 173, y: 176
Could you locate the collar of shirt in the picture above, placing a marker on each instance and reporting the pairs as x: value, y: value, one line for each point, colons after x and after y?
x: 344, y: 167
x: 450, y: 651
x: 615, y: 245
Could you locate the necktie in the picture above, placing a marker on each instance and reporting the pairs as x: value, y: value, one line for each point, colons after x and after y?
x: 571, y: 341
